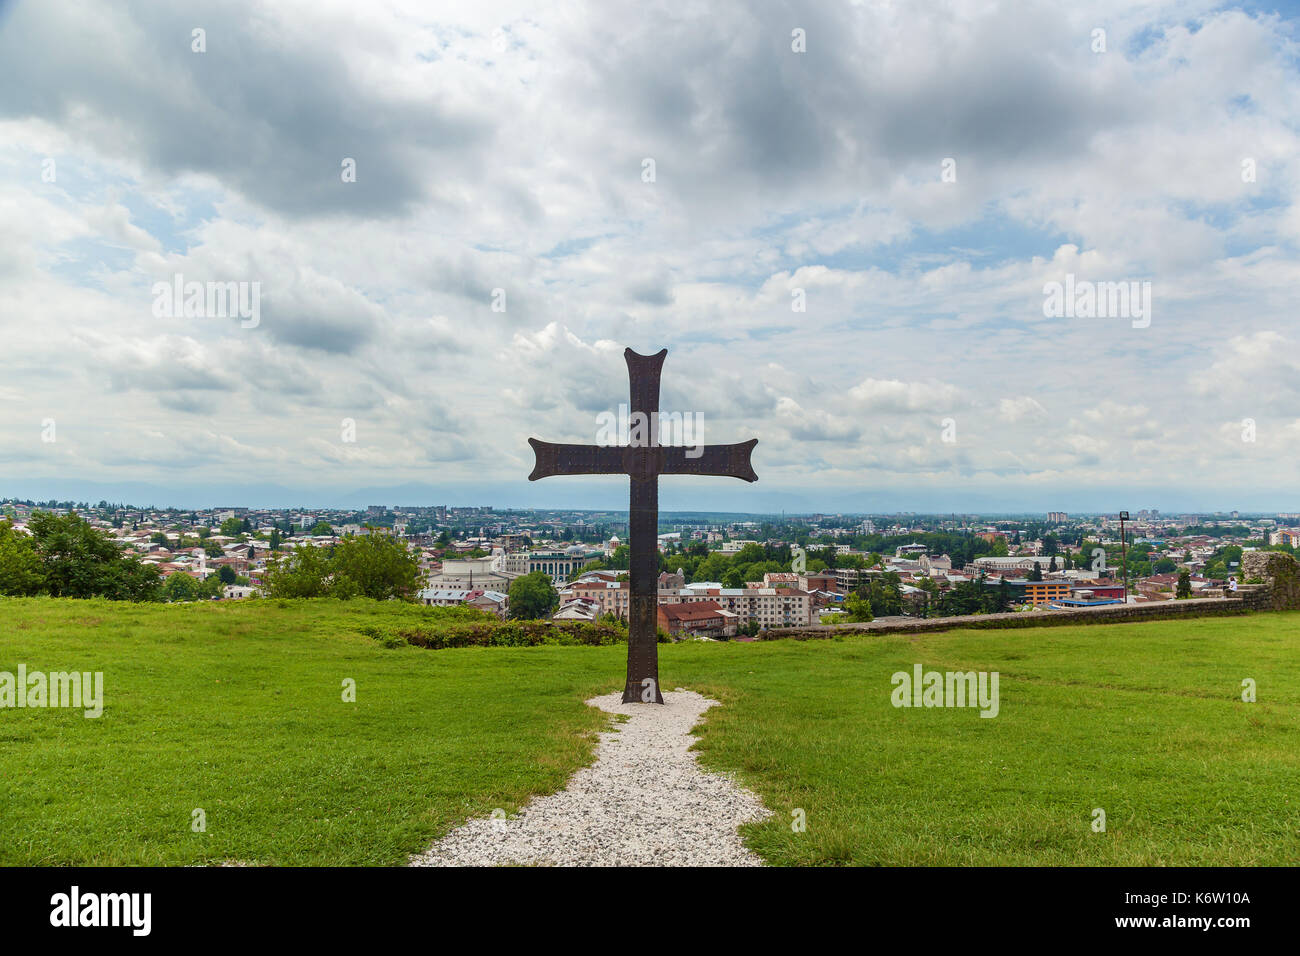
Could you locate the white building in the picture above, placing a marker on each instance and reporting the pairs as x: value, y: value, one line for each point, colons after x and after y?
x: 731, y: 547
x: 469, y: 574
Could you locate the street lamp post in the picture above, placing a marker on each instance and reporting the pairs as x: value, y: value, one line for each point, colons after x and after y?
x: 1123, y: 551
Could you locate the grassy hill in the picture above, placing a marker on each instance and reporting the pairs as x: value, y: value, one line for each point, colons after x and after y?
x: 236, y: 708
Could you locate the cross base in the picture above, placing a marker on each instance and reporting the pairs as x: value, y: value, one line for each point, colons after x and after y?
x: 634, y: 692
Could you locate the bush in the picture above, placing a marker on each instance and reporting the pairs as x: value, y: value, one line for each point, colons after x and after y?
x: 490, y: 632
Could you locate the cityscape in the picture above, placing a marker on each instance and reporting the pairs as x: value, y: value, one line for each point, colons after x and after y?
x: 721, y: 576
x: 533, y: 434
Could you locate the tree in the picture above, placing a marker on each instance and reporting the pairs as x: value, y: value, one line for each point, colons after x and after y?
x: 304, y: 573
x: 231, y: 527
x: 1035, y: 573
x: 81, y: 561
x: 931, y: 591
x: 1184, y: 589
x: 712, y: 568
x: 21, y: 573
x: 1004, y: 595
x: 179, y: 586
x: 858, y: 609
x: 321, y: 528
x: 227, y: 574
x: 532, y: 596
x: 377, y: 566
x: 274, y: 542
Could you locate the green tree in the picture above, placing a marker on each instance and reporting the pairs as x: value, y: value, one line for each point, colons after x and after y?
x: 179, y: 586
x: 1003, y: 601
x: 209, y: 589
x: 532, y: 596
x: 81, y: 561
x: 231, y: 527
x: 1184, y: 589
x: 713, y: 568
x: 377, y: 566
x: 21, y: 573
x: 303, y: 573
x: 321, y: 528
x: 227, y: 574
x: 858, y: 609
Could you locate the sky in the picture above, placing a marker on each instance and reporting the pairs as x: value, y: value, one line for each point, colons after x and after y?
x: 841, y: 220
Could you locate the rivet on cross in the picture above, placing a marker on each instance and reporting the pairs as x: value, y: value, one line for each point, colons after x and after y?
x: 643, y: 462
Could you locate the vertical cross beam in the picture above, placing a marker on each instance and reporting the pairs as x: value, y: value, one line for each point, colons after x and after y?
x: 642, y: 683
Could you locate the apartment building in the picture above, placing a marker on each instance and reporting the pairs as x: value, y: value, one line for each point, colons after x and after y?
x: 1044, y: 592
x: 771, y: 607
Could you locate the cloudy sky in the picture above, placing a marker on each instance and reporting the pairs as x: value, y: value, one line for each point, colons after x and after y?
x: 673, y: 175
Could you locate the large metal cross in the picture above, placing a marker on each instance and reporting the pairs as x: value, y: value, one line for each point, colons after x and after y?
x: 644, y: 461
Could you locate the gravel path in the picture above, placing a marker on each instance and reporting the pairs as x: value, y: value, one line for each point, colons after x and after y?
x: 644, y: 802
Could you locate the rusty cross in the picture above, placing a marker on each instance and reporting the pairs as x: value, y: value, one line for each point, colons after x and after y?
x: 643, y: 461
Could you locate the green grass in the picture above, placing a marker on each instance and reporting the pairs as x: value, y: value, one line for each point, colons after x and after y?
x: 236, y: 708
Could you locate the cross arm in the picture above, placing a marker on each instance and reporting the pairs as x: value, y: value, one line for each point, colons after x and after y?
x: 558, y: 459
x: 725, y: 461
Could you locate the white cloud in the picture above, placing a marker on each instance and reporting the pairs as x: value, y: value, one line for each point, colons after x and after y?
x: 520, y: 169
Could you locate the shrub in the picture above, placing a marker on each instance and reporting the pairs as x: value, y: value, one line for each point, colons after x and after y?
x: 490, y: 632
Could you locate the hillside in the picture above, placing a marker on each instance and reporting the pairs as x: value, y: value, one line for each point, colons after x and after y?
x: 236, y: 708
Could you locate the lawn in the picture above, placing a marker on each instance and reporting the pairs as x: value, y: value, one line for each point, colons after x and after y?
x: 236, y: 708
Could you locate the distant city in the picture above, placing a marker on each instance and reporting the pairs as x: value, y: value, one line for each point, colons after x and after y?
x: 722, y: 575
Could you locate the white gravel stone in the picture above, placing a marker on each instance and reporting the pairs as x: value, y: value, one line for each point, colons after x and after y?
x: 644, y: 802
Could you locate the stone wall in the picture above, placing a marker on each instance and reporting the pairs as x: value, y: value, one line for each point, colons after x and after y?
x: 1106, y: 614
x: 1281, y: 577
